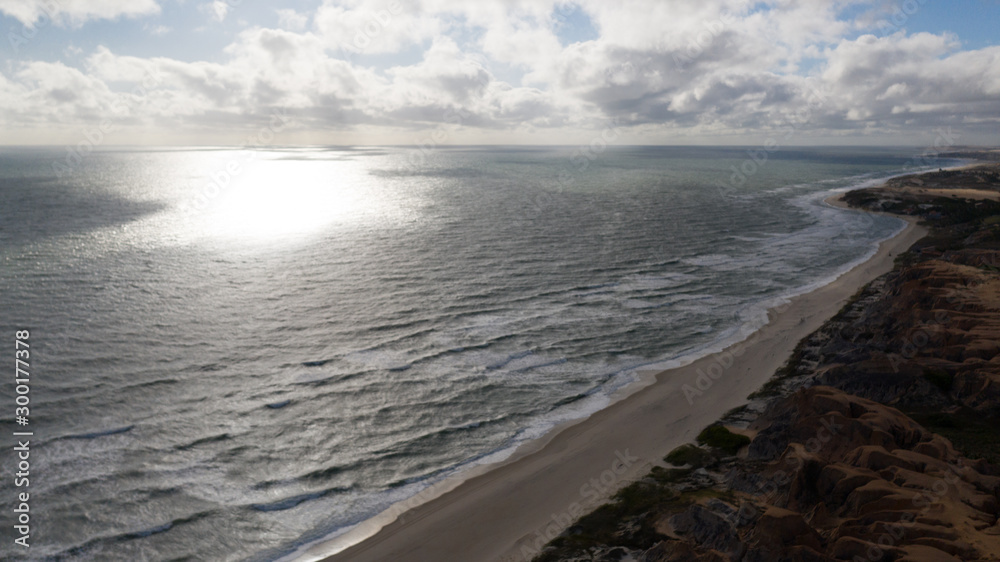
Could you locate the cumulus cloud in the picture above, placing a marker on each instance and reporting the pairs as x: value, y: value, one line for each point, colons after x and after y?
x: 913, y: 80
x: 709, y: 67
x: 453, y: 87
x: 54, y: 92
x: 76, y: 12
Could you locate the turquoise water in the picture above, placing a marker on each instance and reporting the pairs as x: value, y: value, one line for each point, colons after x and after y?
x: 236, y: 353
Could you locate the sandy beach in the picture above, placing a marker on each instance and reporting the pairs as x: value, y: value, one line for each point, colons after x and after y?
x: 508, y: 512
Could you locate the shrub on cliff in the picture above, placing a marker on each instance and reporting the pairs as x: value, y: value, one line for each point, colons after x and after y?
x: 689, y: 454
x: 721, y: 438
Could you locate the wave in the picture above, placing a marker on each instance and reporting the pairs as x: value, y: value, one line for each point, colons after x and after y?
x: 96, y: 545
x: 317, y: 363
x: 559, y: 361
x: 507, y: 360
x: 204, y: 441
x: 294, y: 501
x: 102, y: 433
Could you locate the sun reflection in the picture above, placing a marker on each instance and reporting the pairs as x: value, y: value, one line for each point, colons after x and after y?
x: 273, y: 199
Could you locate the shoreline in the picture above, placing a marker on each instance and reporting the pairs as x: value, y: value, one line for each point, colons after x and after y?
x: 508, y: 510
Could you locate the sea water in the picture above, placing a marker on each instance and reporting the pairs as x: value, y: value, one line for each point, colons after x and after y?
x: 237, y: 352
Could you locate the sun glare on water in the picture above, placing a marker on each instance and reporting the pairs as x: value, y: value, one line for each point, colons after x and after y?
x: 278, y: 199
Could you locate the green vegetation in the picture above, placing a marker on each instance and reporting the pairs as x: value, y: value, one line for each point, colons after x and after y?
x: 735, y: 412
x: 860, y: 198
x: 974, y: 435
x: 721, y: 438
x: 669, y: 475
x: 790, y: 368
x: 628, y: 521
x: 689, y: 454
x: 770, y: 389
x: 957, y: 211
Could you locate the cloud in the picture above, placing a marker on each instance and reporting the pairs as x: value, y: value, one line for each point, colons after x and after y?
x: 217, y: 9
x: 292, y: 20
x: 265, y: 69
x: 687, y: 67
x: 54, y: 92
x: 76, y: 12
x: 906, y: 81
x: 375, y: 26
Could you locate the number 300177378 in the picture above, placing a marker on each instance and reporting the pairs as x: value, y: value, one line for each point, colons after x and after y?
x: 22, y: 377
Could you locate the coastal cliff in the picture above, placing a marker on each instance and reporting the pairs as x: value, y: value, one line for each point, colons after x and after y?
x: 878, y: 440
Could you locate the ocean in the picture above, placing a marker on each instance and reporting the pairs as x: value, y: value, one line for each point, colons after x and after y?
x: 235, y: 353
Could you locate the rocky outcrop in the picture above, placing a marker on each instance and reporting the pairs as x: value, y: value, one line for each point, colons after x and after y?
x: 851, y: 478
x: 929, y: 339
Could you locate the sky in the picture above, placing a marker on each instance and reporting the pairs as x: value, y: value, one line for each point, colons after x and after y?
x: 439, y: 72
